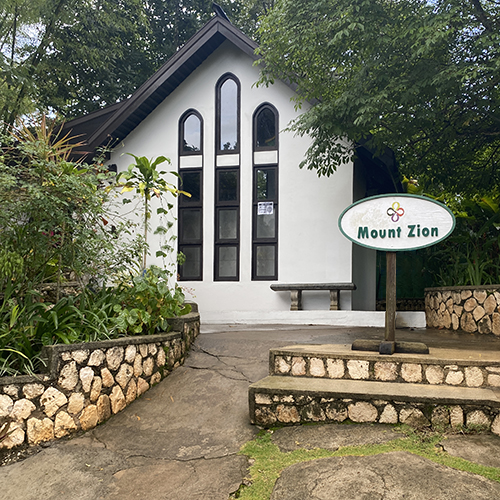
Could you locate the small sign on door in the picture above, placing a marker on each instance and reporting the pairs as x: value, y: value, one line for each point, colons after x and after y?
x: 265, y: 208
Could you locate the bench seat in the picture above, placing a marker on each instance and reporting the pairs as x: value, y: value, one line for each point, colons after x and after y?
x: 296, y: 290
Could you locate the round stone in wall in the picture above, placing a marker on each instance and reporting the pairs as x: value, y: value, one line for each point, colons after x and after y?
x: 434, y: 374
x: 362, y: 412
x: 411, y: 372
x: 474, y: 376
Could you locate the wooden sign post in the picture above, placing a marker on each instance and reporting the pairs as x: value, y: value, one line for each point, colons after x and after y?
x: 395, y: 223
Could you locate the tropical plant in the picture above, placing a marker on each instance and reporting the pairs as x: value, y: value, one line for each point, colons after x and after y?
x: 57, y: 223
x: 470, y: 255
x: 147, y: 302
x: 55, y: 220
x: 143, y: 177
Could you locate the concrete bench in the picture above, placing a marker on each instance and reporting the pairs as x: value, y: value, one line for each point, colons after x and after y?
x: 296, y: 290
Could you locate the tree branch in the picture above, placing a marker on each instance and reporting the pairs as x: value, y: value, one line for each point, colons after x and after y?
x: 36, y: 59
x: 483, y: 16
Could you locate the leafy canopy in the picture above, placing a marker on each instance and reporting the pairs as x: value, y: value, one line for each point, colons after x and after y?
x: 78, y: 56
x: 420, y: 77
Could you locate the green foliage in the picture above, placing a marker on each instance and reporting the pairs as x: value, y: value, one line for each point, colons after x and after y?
x: 57, y: 224
x: 27, y: 324
x: 268, y: 461
x: 53, y: 213
x: 419, y: 77
x: 79, y: 56
x: 470, y: 255
x: 146, y: 302
x: 143, y: 177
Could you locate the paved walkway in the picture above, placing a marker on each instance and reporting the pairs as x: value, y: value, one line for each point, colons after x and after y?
x: 180, y: 440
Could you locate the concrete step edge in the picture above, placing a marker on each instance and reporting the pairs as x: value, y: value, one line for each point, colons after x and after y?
x: 373, y: 390
x: 459, y: 358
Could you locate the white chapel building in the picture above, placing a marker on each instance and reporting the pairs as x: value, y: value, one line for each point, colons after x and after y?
x: 254, y: 218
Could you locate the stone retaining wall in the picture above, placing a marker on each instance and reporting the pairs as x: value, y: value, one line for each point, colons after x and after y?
x: 85, y: 384
x: 296, y: 408
x: 467, y: 308
x: 473, y: 373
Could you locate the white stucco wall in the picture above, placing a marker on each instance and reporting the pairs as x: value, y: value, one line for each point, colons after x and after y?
x: 310, y: 245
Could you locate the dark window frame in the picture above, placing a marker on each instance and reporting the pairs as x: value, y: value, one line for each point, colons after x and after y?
x: 264, y: 241
x: 218, y: 87
x: 182, y: 120
x: 257, y: 242
x: 229, y: 203
x: 263, y: 106
x: 233, y: 242
x: 186, y: 204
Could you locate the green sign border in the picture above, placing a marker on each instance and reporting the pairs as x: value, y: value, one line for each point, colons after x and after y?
x: 405, y: 195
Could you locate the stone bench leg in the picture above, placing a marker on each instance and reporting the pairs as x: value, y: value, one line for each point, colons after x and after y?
x: 334, y: 300
x: 296, y: 298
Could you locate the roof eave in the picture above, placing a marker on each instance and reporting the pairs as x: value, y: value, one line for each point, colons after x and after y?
x: 206, y: 34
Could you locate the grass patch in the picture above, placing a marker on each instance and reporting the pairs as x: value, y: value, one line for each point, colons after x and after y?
x: 267, y: 461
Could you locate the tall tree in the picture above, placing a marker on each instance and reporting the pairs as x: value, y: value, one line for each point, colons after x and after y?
x: 421, y: 77
x: 77, y: 56
x: 98, y: 56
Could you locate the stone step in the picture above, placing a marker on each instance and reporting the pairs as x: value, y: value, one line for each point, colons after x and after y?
x: 292, y: 400
x: 447, y: 367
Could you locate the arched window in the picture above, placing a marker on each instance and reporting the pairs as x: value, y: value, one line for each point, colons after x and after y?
x: 190, y: 134
x: 265, y: 194
x: 228, y: 114
x: 190, y: 217
x: 265, y: 128
x: 227, y: 180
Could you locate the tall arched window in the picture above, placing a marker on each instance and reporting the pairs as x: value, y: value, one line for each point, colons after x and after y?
x: 228, y: 114
x: 265, y: 194
x: 227, y: 180
x: 190, y: 217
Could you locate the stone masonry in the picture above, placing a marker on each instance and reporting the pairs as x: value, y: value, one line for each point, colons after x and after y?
x: 87, y: 383
x: 471, y: 309
x: 402, y: 368
x: 334, y: 384
x: 295, y: 408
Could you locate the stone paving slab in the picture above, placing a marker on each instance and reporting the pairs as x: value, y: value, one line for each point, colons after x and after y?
x: 392, y: 476
x: 198, y: 480
x: 482, y: 449
x: 332, y: 436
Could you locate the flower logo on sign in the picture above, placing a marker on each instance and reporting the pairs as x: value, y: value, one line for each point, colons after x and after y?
x: 395, y: 212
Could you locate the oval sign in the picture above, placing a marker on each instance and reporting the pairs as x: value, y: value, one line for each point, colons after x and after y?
x: 396, y: 222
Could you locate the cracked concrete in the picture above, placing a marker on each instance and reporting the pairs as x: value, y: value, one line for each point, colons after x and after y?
x: 180, y: 440
x: 392, y: 476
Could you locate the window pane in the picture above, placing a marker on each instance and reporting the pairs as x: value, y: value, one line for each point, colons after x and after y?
x: 266, y: 260
x: 192, y: 267
x: 228, y: 185
x: 227, y: 262
x: 266, y: 184
x: 266, y: 226
x: 228, y: 116
x: 191, y: 183
x: 266, y: 129
x: 191, y: 134
x: 228, y: 226
x: 191, y: 225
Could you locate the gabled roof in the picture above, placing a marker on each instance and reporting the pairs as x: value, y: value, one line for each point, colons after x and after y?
x: 117, y: 121
x: 113, y: 123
